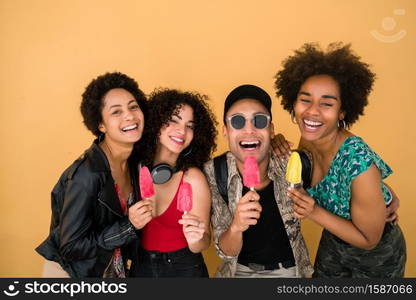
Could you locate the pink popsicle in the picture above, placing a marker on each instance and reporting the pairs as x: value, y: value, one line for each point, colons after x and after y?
x: 146, y: 184
x: 251, y: 175
x: 184, y: 201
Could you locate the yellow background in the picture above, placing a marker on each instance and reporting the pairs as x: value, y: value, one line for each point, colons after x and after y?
x: 50, y: 50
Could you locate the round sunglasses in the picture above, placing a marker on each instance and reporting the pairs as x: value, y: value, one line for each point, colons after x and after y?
x: 260, y: 121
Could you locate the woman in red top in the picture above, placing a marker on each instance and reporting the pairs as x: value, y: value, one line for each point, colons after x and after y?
x: 178, y: 139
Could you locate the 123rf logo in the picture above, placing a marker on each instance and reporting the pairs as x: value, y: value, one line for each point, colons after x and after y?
x: 70, y: 289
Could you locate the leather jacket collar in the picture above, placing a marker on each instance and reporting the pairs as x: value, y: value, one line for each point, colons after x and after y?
x: 99, y: 163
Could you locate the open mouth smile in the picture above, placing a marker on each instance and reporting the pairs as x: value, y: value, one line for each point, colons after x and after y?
x: 130, y: 128
x: 311, y: 125
x: 177, y: 140
x: 250, y: 145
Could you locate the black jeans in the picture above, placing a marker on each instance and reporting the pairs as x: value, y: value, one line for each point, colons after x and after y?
x: 180, y: 263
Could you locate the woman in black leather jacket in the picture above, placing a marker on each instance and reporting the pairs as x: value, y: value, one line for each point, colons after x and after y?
x: 95, y: 213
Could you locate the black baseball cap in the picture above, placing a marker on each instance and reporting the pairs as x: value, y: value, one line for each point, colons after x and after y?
x: 248, y: 91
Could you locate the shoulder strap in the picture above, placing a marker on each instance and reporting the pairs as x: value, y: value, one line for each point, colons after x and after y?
x: 306, y: 169
x: 221, y: 175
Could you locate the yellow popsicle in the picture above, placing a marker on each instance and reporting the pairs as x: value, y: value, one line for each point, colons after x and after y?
x: 294, y: 169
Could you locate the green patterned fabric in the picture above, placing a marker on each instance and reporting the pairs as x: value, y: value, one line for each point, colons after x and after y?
x: 354, y: 157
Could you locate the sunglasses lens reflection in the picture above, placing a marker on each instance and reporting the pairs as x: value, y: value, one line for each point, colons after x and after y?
x: 260, y: 121
x: 238, y: 122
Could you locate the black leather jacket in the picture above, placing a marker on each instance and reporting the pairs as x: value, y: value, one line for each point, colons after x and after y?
x: 87, y: 220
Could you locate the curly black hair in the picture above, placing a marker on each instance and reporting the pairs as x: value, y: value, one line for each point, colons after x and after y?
x: 353, y: 76
x: 92, y: 104
x: 163, y: 104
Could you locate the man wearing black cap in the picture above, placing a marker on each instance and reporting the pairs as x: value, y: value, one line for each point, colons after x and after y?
x: 255, y: 232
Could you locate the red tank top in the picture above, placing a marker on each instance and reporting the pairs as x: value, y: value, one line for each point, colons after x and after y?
x: 163, y: 233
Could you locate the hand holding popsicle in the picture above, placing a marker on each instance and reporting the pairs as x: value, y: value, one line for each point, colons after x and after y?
x: 247, y: 212
x: 140, y: 213
x: 146, y: 183
x: 146, y: 187
x: 184, y: 201
x: 193, y: 228
x: 303, y: 204
x: 251, y: 174
x: 294, y: 170
x: 248, y: 208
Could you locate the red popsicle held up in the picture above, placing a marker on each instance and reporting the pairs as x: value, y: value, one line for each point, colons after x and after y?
x: 184, y: 201
x: 251, y: 174
x: 146, y: 183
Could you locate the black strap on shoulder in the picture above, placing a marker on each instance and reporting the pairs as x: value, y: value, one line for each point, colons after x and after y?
x: 306, y: 169
x: 221, y: 175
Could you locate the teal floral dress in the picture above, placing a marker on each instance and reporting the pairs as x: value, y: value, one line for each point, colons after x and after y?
x: 354, y: 157
x: 336, y: 258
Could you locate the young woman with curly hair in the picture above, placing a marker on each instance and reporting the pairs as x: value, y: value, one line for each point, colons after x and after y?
x: 326, y: 92
x: 94, y: 214
x: 180, y: 133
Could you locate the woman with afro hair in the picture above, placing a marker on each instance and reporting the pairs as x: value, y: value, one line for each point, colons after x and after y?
x: 178, y: 139
x: 94, y: 209
x: 326, y: 92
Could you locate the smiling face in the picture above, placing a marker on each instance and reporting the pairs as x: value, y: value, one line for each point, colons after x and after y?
x: 248, y: 141
x: 122, y: 117
x: 318, y: 108
x: 179, y: 132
